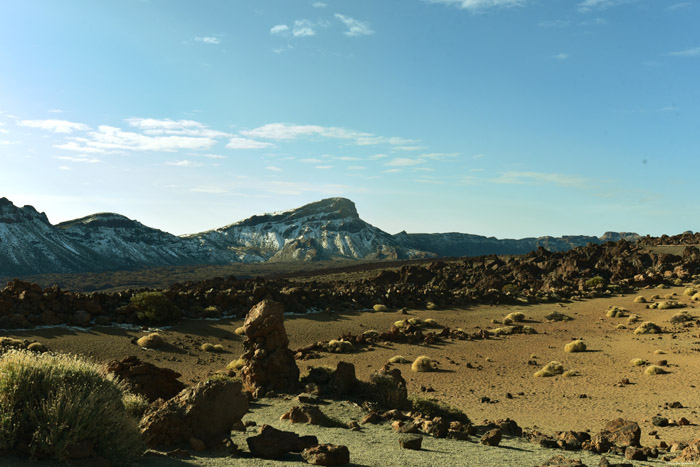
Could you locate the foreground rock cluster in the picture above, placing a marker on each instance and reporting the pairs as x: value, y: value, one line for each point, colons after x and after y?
x: 538, y: 276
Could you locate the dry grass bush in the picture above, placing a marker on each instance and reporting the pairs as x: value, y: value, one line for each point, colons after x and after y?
x: 339, y: 346
x: 648, y: 327
x: 640, y: 299
x: 690, y: 291
x: 389, y: 392
x: 154, y: 307
x: 550, y: 369
x: 431, y: 323
x: 616, y: 312
x: 670, y: 304
x: 422, y: 364
x: 696, y: 297
x: 633, y: 318
x: 656, y: 297
x: 135, y: 404
x: 431, y: 306
x: 207, y: 347
x: 502, y: 331
x: 432, y: 408
x: 570, y: 373
x: 399, y: 359
x: 654, y: 370
x: 235, y: 365
x: 557, y: 316
x: 402, y: 323
x: 669, y: 296
x: 53, y: 403
x: 380, y: 308
x: 240, y: 331
x: 681, y: 317
x: 36, y: 347
x: 516, y: 316
x: 370, y: 333
x: 151, y: 341
x: 575, y: 346
x: 638, y: 362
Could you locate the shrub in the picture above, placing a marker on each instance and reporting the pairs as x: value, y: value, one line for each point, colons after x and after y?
x: 515, y: 317
x: 575, y: 346
x: 236, y: 365
x: 550, y: 369
x: 240, y: 331
x: 422, y: 364
x: 504, y: 331
x: 370, y: 333
x: 696, y: 297
x: 154, y: 307
x: 431, y: 306
x: 433, y: 408
x: 380, y: 308
x: 557, y: 316
x: 339, y: 346
x: 595, y: 282
x: 638, y: 362
x: 570, y: 373
x: 400, y: 323
x: 681, y: 317
x: 648, y: 327
x: 510, y: 289
x: 430, y: 322
x: 389, y: 391
x: 399, y: 359
x: 207, y: 347
x: 36, y: 347
x: 151, y: 341
x: 654, y: 370
x: 670, y: 304
x: 640, y: 299
x: 690, y: 291
x: 616, y: 312
x: 633, y: 318
x: 135, y: 404
x: 656, y: 297
x: 53, y: 403
x: 416, y: 322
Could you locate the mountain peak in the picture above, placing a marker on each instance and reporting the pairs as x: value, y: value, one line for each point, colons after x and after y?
x: 326, y: 209
x: 101, y: 219
x: 11, y: 214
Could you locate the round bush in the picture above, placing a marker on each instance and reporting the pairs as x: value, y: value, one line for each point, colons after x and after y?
x: 575, y: 346
x: 398, y: 359
x: 154, y: 307
x: 151, y: 341
x: 654, y: 370
x: 640, y: 299
x: 550, y: 369
x: 54, y: 403
x: 422, y: 364
x: 380, y: 308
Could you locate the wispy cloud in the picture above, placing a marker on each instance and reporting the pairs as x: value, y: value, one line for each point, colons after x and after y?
x: 110, y: 139
x: 211, y: 40
x: 304, y: 28
x: 154, y: 126
x: 279, y: 29
x: 478, y: 156
x: 245, y: 143
x: 439, y: 155
x: 561, y: 56
x: 209, y: 156
x: 594, y: 22
x: 587, y: 6
x: 55, y: 126
x: 678, y: 6
x: 289, y: 132
x: 355, y: 27
x: 85, y: 160
x: 55, y: 111
x: 319, y: 5
x: 530, y: 178
x: 324, y: 167
x: 409, y: 148
x: 556, y: 23
x: 184, y: 163
x: 404, y: 162
x: 209, y: 189
x: 694, y: 52
x: 479, y: 5
x: 273, y: 168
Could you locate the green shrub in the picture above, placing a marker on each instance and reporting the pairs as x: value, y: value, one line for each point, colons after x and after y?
x: 654, y: 370
x: 380, y: 308
x: 550, y: 369
x: 557, y: 316
x: 640, y: 299
x: 399, y: 359
x: 616, y: 312
x: 53, y: 403
x: 389, y: 392
x: 151, y: 341
x: 575, y: 346
x: 154, y: 307
x: 432, y: 408
x: 648, y: 327
x: 595, y: 282
x: 135, y: 404
x: 515, y: 317
x: 422, y: 364
x: 638, y: 362
x: 339, y: 346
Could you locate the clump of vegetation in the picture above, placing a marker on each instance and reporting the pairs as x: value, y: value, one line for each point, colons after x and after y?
x: 510, y: 289
x: 422, y: 364
x: 235, y: 365
x: 648, y: 327
x: 670, y: 304
x: 654, y: 370
x: 528, y: 330
x: 151, y: 341
x: 575, y: 346
x: 154, y: 307
x: 656, y: 297
x: 135, y: 404
x: 240, y: 331
x: 678, y: 281
x: 669, y: 296
x: 431, y: 323
x: 595, y: 282
x: 681, y: 317
x: 389, y: 392
x: 399, y: 359
x: 339, y: 346
x: 51, y: 403
x: 211, y: 312
x: 550, y: 369
x: 640, y: 299
x: 659, y: 352
x: 431, y: 306
x: 207, y: 347
x: 570, y: 373
x: 370, y: 333
x: 616, y: 312
x: 503, y: 331
x: 36, y: 347
x: 402, y: 323
x: 690, y: 291
x: 633, y: 318
x: 557, y: 316
x: 638, y: 362
x: 380, y: 308
x: 416, y: 322
x: 515, y: 317
x: 433, y: 408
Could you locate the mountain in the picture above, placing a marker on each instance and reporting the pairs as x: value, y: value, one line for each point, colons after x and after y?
x: 323, y: 230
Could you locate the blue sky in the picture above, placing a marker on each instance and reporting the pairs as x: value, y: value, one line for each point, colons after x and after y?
x: 510, y: 118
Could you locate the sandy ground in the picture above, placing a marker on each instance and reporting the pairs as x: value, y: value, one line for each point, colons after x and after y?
x: 499, y: 366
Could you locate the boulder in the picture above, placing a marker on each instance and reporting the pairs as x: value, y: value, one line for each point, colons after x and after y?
x: 146, y: 379
x: 344, y: 380
x: 272, y: 443
x: 206, y: 411
x: 308, y: 414
x: 326, y: 454
x: 411, y: 442
x: 492, y: 437
x: 623, y: 432
x: 561, y: 461
x: 270, y: 364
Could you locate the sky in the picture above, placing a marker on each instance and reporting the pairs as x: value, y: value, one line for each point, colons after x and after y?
x: 506, y: 118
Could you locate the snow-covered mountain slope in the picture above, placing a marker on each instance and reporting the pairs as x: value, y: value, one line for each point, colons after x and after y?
x: 326, y: 229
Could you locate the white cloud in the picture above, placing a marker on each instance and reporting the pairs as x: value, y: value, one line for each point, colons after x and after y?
x: 109, y: 138
x: 324, y: 167
x: 4, y: 142
x: 587, y: 6
x: 208, y: 189
x: 55, y: 111
x: 63, y: 167
x: 526, y: 178
x: 393, y: 171
x: 78, y: 159
x: 184, y: 163
x: 478, y: 156
x: 245, y: 143
x: 273, y: 168
x: 694, y: 52
x: 478, y: 5
x: 357, y: 167
x: 378, y: 156
x: 279, y: 29
x: 595, y: 22
x: 209, y: 156
x: 678, y: 6
x: 56, y: 126
x: 439, y: 155
x: 404, y: 162
x: 289, y: 132
x: 557, y: 23
x: 560, y: 56
x: 211, y: 40
x: 319, y: 5
x: 154, y: 127
x: 355, y: 27
x: 409, y: 148
x: 311, y: 160
x: 304, y: 28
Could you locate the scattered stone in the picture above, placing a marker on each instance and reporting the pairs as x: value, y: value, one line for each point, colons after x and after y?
x: 373, y: 417
x: 411, y: 442
x: 561, y: 461
x: 491, y: 438
x: 326, y: 454
x: 309, y: 414
x: 272, y: 443
x: 659, y: 421
x: 146, y: 379
x: 197, y: 444
x: 635, y: 454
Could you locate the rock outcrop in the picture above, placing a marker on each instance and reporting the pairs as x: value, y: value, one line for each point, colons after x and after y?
x: 146, y: 379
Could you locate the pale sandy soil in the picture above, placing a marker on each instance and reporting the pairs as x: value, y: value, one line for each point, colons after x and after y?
x: 500, y: 366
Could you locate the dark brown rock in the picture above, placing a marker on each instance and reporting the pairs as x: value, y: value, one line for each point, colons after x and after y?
x: 272, y: 443
x: 146, y: 379
x: 206, y: 411
x: 344, y: 380
x: 326, y: 454
x: 623, y: 432
x: 492, y: 437
x: 635, y: 454
x: 411, y: 442
x: 561, y: 461
x: 309, y: 414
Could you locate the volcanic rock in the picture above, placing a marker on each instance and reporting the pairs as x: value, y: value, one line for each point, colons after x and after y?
x: 146, y: 379
x: 326, y: 454
x: 272, y: 443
